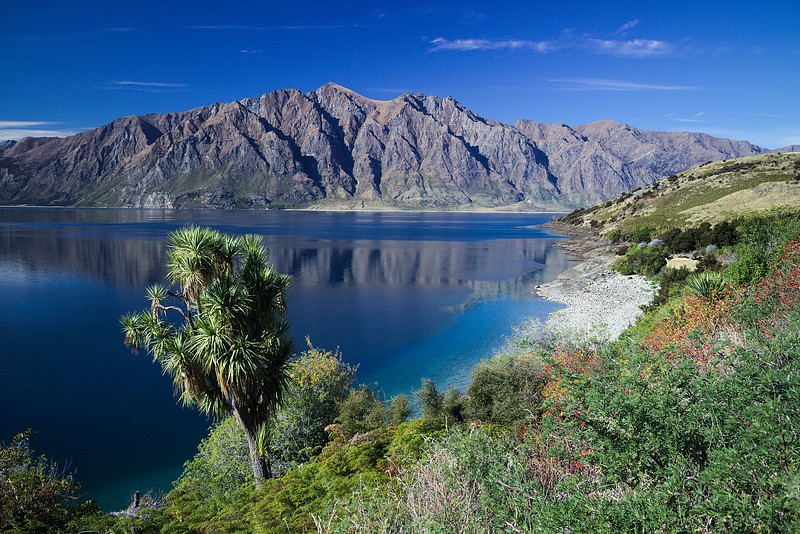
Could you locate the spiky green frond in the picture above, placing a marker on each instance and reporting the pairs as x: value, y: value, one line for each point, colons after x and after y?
x: 707, y: 284
x: 231, y: 352
x: 195, y: 256
x: 133, y: 329
x: 156, y: 292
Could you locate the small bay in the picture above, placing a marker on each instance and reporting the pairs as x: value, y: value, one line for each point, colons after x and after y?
x: 403, y: 296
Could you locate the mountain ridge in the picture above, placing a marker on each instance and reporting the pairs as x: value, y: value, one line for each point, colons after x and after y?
x: 333, y: 147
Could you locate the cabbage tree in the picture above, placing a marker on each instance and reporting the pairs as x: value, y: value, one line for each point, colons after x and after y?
x: 220, y: 331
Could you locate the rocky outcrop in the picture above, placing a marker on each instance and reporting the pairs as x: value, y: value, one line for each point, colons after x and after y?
x: 600, y: 160
x: 336, y: 147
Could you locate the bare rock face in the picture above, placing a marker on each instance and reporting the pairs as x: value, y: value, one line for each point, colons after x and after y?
x: 288, y: 148
x: 600, y: 160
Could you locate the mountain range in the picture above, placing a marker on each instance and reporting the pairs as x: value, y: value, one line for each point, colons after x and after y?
x: 335, y: 148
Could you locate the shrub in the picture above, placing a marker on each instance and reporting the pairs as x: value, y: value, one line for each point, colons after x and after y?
x: 400, y: 409
x: 361, y: 411
x: 670, y: 283
x: 645, y: 260
x: 36, y: 495
x: 762, y: 240
x: 639, y: 234
x: 506, y: 390
x: 454, y: 406
x: 429, y: 399
x: 320, y: 381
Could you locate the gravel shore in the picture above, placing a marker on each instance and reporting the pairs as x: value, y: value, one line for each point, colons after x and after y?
x: 600, y: 303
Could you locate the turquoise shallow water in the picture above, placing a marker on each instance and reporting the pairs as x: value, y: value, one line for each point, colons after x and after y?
x: 403, y: 295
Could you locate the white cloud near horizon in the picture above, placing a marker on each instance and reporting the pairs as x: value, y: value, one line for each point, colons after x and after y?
x: 441, y: 43
x: 697, y: 117
x: 16, y: 130
x: 24, y: 124
x: 600, y: 84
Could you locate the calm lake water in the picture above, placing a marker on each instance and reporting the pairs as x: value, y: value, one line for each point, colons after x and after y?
x: 403, y: 295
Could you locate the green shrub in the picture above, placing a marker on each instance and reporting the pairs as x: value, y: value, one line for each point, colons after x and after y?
x: 646, y: 261
x: 454, y: 405
x: 639, y: 234
x: 320, y: 382
x: 670, y: 284
x: 762, y: 240
x: 361, y: 411
x: 506, y: 390
x: 429, y: 399
x: 36, y: 495
x: 400, y: 409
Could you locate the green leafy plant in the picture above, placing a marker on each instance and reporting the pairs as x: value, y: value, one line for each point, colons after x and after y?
x: 36, y: 495
x: 361, y: 411
x: 707, y: 284
x: 646, y: 261
x: 228, y: 352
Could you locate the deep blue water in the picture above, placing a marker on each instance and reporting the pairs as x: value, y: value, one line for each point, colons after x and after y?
x: 403, y: 295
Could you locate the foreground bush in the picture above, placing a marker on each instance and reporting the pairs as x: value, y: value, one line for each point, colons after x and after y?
x: 36, y: 495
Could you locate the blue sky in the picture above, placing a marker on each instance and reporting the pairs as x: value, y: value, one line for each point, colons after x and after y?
x: 731, y: 69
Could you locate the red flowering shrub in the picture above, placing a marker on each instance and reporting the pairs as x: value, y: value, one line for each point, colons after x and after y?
x: 776, y: 298
x: 694, y: 329
x: 565, y: 368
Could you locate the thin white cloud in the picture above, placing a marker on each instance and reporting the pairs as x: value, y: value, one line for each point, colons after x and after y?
x: 631, y: 48
x: 24, y: 124
x: 245, y: 51
x: 16, y: 130
x: 130, y: 83
x: 462, y: 45
x: 637, y: 48
x: 628, y: 25
x: 600, y: 84
x: 695, y: 118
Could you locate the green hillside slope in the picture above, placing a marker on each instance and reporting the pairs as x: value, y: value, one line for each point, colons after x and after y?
x: 710, y: 193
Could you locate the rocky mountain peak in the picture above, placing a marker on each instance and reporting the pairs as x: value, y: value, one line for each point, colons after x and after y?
x: 336, y: 147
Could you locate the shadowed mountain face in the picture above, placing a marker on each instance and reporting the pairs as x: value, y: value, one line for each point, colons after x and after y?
x: 333, y: 147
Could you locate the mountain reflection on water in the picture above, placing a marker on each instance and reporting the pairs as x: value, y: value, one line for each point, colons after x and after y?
x: 404, y: 295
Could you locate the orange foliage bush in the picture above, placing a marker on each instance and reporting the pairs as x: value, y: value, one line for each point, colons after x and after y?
x: 694, y: 329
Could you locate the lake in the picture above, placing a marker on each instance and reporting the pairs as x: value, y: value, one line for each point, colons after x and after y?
x: 403, y: 295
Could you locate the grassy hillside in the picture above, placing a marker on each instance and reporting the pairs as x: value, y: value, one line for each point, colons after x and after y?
x: 711, y: 192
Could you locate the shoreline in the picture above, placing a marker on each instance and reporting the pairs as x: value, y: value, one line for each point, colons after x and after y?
x: 600, y: 303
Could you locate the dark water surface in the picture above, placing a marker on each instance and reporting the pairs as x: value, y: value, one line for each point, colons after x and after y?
x: 404, y: 295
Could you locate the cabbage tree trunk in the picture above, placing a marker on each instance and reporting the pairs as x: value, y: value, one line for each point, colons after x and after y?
x: 260, y: 466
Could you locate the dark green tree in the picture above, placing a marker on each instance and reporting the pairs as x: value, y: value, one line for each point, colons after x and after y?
x: 220, y: 332
x: 400, y: 409
x: 429, y: 398
x: 361, y: 412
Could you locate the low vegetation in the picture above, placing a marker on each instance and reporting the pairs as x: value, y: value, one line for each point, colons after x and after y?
x: 690, y: 422
x: 711, y: 193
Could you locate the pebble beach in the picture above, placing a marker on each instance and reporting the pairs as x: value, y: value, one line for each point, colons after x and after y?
x: 600, y: 303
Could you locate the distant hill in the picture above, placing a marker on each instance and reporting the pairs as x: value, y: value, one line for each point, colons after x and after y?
x: 790, y: 148
x: 335, y: 148
x: 709, y: 192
